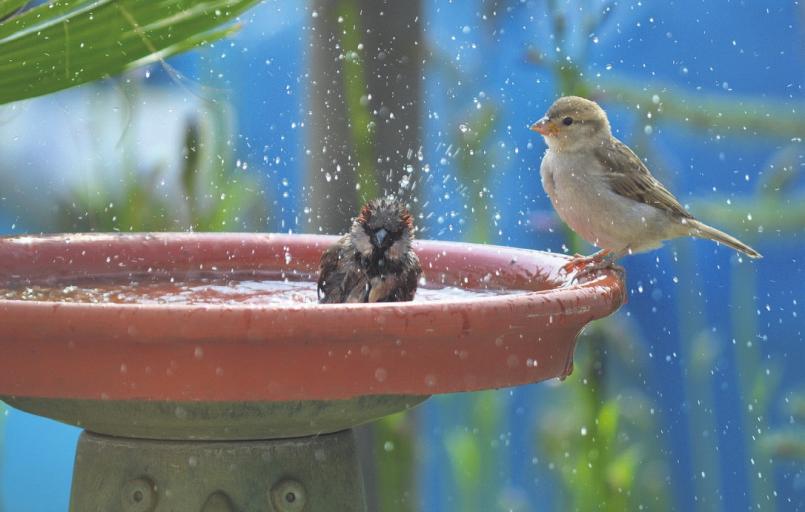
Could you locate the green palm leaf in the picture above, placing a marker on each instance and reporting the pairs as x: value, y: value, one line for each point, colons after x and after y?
x: 64, y: 43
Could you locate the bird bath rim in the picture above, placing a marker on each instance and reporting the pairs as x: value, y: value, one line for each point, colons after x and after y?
x: 372, y: 358
x: 557, y: 306
x: 552, y: 280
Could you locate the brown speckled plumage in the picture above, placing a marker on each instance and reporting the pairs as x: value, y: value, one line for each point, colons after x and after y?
x: 604, y: 192
x: 374, y: 262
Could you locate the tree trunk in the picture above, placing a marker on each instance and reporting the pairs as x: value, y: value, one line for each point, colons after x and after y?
x: 365, y: 121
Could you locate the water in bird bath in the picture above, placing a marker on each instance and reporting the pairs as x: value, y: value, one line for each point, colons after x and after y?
x: 203, y: 289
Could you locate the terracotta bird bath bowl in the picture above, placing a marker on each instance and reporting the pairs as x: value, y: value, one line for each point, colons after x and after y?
x: 207, y: 378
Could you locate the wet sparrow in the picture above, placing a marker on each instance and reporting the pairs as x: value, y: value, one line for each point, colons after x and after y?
x: 374, y: 262
x: 605, y: 193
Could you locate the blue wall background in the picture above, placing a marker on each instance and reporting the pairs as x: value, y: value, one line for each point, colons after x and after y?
x: 735, y: 49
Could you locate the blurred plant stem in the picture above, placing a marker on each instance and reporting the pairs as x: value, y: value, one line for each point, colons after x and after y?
x: 725, y: 115
x: 699, y: 352
x: 598, y: 438
x: 356, y: 97
x: 699, y: 349
x: 733, y: 214
x: 786, y: 444
x: 364, y: 96
x: 586, y: 471
x: 756, y: 383
x: 394, y: 452
x: 471, y: 450
x: 475, y: 164
x: 755, y: 386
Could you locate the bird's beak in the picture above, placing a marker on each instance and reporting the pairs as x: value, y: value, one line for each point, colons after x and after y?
x: 381, y: 235
x: 545, y: 127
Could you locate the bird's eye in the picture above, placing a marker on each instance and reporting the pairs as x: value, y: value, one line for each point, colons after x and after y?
x: 567, y: 121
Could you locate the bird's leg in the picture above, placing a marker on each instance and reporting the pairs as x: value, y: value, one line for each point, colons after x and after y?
x: 579, y: 261
x: 605, y: 261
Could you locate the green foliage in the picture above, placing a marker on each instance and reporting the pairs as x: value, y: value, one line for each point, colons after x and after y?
x: 475, y: 163
x: 471, y: 450
x: 64, y: 43
x: 394, y: 459
x: 598, y: 433
x: 214, y: 195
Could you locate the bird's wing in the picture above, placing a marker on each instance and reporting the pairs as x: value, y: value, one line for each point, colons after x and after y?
x: 630, y: 178
x: 327, y: 265
x: 338, y: 273
x: 357, y: 286
x: 410, y: 280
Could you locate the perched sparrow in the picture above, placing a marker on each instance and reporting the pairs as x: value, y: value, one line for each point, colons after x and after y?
x: 374, y: 262
x: 605, y: 193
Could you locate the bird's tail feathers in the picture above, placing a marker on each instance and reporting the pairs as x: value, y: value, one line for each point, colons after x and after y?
x: 701, y: 230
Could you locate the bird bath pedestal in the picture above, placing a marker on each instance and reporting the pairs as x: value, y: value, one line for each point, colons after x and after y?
x: 247, y: 406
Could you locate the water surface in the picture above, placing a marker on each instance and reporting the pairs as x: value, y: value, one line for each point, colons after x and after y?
x: 216, y: 290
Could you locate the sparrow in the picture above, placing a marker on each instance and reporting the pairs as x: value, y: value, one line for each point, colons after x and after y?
x: 374, y: 262
x: 605, y: 193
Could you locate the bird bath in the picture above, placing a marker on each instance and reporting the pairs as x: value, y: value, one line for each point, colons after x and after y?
x: 208, y: 379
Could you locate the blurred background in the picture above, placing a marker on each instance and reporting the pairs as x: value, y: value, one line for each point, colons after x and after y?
x: 691, y: 397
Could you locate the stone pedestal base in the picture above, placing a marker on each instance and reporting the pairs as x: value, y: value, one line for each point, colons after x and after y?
x: 310, y: 474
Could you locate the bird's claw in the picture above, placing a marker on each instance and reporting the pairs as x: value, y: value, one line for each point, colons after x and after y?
x: 584, y: 266
x: 577, y: 263
x: 594, y: 268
